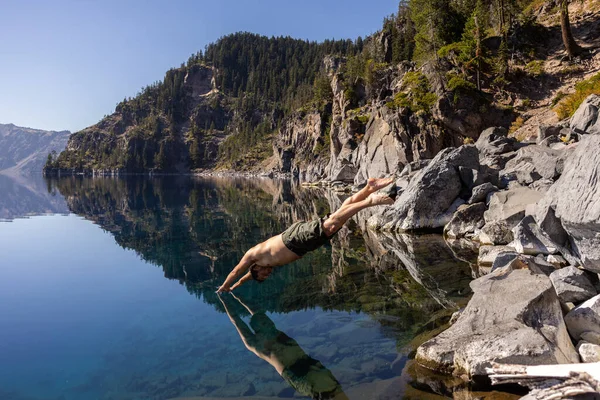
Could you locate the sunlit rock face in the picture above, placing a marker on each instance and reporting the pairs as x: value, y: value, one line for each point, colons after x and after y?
x: 529, y: 329
x: 560, y: 211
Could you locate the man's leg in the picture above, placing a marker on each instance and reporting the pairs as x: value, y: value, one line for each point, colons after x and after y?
x: 336, y: 220
x: 373, y: 185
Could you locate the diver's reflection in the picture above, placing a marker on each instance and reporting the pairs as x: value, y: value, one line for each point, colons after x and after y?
x: 305, y: 374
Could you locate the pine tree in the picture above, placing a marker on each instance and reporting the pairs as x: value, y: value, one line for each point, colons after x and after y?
x: 571, y: 46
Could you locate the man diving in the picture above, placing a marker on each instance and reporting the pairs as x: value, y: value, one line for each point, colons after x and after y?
x: 302, y: 237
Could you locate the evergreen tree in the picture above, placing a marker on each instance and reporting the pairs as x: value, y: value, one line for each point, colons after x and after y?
x: 571, y: 46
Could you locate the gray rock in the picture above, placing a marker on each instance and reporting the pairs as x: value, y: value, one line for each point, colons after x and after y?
x: 556, y: 260
x: 570, y: 209
x: 503, y: 259
x: 411, y: 168
x: 551, y: 141
x: 495, y: 148
x: 572, y: 285
x: 529, y: 238
x: 496, y: 233
x: 466, y: 220
x: 480, y: 193
x: 591, y: 337
x: 535, y: 265
x: 585, y: 119
x: 470, y: 177
x: 506, y: 210
x: 487, y: 254
x: 546, y: 132
x: 533, y: 163
x: 440, y: 180
x: 588, y: 352
x: 528, y: 329
x: 584, y: 318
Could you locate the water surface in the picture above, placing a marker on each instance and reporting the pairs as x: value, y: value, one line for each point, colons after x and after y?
x: 107, y: 292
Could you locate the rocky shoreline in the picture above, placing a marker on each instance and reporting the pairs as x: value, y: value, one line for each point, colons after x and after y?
x: 533, y: 210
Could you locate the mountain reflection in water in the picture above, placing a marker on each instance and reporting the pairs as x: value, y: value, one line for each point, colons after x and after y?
x: 358, y: 306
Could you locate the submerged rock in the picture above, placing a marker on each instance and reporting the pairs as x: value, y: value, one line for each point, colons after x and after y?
x: 527, y: 329
x: 572, y: 285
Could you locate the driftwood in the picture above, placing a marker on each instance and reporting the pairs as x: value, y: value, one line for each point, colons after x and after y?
x: 551, y: 382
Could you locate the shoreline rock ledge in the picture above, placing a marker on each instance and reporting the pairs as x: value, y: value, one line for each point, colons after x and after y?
x: 514, y: 317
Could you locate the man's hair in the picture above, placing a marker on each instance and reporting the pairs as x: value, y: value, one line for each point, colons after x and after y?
x: 254, y: 272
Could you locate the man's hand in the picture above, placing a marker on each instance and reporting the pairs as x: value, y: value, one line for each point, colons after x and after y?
x: 223, y: 289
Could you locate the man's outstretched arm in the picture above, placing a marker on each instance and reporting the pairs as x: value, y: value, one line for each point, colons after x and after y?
x: 239, y: 269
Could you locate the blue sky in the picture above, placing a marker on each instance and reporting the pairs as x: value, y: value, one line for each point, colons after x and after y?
x: 65, y: 64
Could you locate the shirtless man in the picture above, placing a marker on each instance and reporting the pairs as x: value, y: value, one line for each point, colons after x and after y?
x: 302, y: 237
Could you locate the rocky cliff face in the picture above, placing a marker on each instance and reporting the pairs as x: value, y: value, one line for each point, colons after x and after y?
x: 23, y: 151
x: 380, y: 137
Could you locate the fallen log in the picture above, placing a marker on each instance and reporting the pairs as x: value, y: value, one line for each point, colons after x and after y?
x: 550, y: 382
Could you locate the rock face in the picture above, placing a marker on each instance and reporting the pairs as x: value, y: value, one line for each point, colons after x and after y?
x: 572, y: 205
x: 528, y: 329
x: 585, y: 318
x: 430, y: 199
x: 585, y: 119
x: 300, y: 140
x: 572, y: 285
x: 24, y: 151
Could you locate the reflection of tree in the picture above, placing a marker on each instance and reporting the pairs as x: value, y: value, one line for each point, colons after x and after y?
x: 197, y: 229
x: 305, y: 374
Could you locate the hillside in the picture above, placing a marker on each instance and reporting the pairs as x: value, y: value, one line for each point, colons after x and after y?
x: 23, y: 151
x: 344, y: 110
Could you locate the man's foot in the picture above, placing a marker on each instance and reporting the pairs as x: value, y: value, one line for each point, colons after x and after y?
x: 379, y: 199
x: 374, y: 184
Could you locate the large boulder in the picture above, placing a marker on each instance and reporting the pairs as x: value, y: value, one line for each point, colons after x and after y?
x: 584, y: 318
x: 431, y: 197
x: 570, y: 211
x: 465, y: 221
x: 585, y: 119
x: 514, y: 317
x: 533, y: 163
x: 572, y: 285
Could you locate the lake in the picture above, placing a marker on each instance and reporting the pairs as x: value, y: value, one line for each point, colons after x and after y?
x: 107, y: 291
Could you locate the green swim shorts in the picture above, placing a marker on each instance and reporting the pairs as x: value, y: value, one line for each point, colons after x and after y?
x: 303, y: 237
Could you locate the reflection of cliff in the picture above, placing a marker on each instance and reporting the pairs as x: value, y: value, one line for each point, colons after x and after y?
x: 27, y: 196
x: 197, y: 229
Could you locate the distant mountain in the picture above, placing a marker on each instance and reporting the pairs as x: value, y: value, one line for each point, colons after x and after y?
x: 23, y: 151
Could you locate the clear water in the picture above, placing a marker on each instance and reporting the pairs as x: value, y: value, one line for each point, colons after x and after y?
x: 107, y: 292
